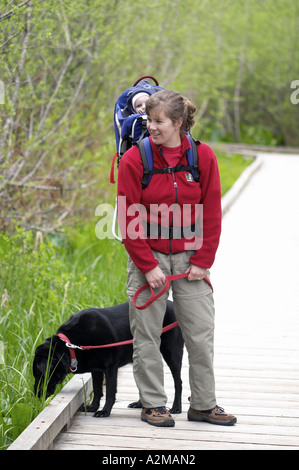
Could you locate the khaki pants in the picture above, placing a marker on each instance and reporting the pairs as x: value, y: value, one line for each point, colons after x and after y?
x: 194, y: 310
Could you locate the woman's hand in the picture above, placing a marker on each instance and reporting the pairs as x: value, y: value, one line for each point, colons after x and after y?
x: 195, y: 273
x: 155, y: 277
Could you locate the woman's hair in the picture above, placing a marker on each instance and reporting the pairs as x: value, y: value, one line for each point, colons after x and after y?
x: 175, y: 106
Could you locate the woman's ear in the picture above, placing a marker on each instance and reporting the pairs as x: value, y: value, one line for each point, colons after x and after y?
x: 178, y: 123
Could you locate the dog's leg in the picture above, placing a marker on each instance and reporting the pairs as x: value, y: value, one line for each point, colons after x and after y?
x: 97, y: 383
x: 135, y: 404
x: 177, y: 402
x: 178, y: 385
x: 173, y: 357
x: 111, y: 386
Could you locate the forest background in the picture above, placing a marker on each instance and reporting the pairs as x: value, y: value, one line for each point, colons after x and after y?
x: 64, y: 63
x: 62, y: 66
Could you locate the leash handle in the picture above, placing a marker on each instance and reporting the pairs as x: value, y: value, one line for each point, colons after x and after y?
x: 154, y: 296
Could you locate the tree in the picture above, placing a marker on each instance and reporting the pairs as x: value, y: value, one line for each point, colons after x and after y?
x: 63, y: 64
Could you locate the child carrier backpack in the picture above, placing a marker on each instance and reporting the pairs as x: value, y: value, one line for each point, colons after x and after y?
x: 129, y: 126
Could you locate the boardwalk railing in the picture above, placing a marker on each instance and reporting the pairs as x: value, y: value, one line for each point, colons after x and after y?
x: 40, y: 434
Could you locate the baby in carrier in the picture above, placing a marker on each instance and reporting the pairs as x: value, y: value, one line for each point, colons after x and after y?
x: 129, y: 114
x: 139, y: 101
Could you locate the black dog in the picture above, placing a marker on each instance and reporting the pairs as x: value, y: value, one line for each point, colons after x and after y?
x: 95, y: 326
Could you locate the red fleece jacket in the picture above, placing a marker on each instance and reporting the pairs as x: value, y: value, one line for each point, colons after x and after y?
x: 170, y: 199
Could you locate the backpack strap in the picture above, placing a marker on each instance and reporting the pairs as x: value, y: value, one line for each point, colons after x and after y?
x: 192, y: 157
x: 146, y: 153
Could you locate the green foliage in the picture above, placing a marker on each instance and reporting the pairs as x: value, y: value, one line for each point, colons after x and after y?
x: 21, y: 417
x: 42, y: 283
x: 65, y: 63
x: 230, y: 168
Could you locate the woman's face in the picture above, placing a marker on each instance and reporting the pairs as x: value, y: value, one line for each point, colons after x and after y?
x: 162, y: 130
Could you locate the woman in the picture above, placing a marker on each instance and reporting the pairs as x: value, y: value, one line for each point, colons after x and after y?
x: 152, y: 255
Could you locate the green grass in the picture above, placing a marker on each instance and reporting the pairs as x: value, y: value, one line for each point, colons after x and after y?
x: 42, y: 282
x: 230, y: 169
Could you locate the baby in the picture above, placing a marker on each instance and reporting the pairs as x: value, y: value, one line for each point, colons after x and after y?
x: 138, y: 102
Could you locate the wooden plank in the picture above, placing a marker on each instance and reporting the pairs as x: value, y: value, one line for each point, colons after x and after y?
x: 234, y: 192
x: 258, y: 428
x: 186, y: 435
x: 130, y: 423
x: 248, y: 149
x: 132, y: 420
x: 230, y: 197
x: 143, y: 444
x: 40, y: 434
x: 263, y: 400
x: 140, y: 443
x: 239, y: 395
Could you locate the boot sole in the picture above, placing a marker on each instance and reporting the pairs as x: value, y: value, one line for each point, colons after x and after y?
x: 168, y: 423
x: 192, y: 417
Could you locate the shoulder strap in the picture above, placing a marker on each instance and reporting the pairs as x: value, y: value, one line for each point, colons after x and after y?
x: 192, y: 157
x: 146, y: 153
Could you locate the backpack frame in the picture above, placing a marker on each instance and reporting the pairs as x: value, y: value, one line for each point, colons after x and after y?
x: 129, y: 126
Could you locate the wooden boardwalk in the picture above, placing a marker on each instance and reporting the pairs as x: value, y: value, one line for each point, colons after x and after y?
x: 256, y: 284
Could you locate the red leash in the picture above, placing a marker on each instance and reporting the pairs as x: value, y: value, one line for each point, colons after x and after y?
x: 154, y: 296
x: 72, y: 347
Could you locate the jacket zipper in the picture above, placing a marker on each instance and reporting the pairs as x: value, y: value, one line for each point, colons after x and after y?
x: 175, y: 202
x: 176, y: 196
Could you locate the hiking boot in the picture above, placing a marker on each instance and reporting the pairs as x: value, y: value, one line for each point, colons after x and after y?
x: 159, y: 416
x: 216, y: 415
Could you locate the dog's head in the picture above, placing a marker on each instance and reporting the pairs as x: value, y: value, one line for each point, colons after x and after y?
x: 50, y: 366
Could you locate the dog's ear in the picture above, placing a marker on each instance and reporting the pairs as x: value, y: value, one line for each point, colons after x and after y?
x: 44, y: 348
x: 51, y: 362
x: 47, y: 351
